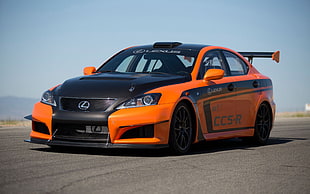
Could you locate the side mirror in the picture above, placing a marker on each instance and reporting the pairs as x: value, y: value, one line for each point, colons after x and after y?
x: 89, y: 70
x: 213, y: 74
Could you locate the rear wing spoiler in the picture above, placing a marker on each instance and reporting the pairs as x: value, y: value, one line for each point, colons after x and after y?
x: 250, y: 55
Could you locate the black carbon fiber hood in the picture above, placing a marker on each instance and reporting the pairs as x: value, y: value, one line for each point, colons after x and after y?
x: 115, y: 85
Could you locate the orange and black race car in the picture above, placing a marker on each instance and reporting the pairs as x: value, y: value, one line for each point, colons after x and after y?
x: 167, y: 94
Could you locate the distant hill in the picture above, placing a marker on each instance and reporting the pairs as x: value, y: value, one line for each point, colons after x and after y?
x: 15, y: 108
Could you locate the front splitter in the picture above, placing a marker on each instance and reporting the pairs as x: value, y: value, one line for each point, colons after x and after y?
x: 94, y: 145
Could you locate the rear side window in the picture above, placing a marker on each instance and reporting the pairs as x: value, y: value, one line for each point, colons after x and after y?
x: 236, y: 65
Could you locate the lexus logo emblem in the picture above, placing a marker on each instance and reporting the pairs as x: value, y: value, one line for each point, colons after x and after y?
x: 84, y: 105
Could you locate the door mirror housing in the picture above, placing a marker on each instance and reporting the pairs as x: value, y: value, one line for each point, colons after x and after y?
x: 89, y: 70
x: 213, y: 74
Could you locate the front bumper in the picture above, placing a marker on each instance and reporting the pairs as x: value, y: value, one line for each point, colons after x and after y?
x: 94, y: 145
x: 143, y: 127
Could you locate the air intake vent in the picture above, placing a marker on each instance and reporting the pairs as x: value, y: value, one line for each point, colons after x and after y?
x: 166, y: 44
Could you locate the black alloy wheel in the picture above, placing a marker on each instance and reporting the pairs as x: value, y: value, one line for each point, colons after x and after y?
x: 181, y: 130
x: 263, y: 124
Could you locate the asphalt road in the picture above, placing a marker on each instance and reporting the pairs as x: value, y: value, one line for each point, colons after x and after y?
x: 229, y: 166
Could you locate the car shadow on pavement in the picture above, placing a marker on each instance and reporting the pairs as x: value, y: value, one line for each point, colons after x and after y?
x: 199, y: 148
x: 107, y: 152
x: 235, y: 144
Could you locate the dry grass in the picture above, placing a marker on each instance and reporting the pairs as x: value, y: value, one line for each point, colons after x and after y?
x: 14, y: 123
x: 293, y: 114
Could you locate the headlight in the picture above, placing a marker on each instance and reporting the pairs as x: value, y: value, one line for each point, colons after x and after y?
x: 144, y: 100
x: 48, y: 98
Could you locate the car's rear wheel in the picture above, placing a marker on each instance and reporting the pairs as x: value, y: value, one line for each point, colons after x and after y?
x: 263, y: 124
x: 181, y: 130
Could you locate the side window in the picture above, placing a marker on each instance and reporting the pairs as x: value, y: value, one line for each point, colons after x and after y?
x: 211, y: 60
x: 236, y: 65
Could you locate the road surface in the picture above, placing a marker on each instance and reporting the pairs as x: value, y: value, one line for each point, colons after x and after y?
x: 228, y: 166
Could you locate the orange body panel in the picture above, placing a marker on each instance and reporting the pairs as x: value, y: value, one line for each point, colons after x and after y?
x: 120, y: 122
x: 42, y: 113
x: 35, y: 134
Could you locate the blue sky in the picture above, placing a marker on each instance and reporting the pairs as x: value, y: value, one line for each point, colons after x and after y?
x: 43, y: 43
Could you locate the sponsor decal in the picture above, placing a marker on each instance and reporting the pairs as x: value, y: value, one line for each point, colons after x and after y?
x: 214, y: 90
x: 168, y: 51
x: 227, y: 120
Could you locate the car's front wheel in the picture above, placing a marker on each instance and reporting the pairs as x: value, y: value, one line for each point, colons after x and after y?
x: 181, y: 129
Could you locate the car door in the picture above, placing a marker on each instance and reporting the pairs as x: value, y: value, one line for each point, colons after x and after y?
x: 245, y: 87
x: 217, y: 104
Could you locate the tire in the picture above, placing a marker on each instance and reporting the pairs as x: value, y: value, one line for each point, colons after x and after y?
x: 263, y: 125
x: 181, y: 130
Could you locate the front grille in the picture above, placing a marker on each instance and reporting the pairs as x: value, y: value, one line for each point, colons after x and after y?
x: 72, y: 104
x: 81, y: 133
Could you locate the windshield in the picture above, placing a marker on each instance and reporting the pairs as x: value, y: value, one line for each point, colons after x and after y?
x: 171, y: 61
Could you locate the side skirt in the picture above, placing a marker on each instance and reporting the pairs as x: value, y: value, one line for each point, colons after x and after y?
x: 229, y: 134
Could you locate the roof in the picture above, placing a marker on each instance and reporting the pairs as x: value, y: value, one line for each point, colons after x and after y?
x: 174, y: 45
